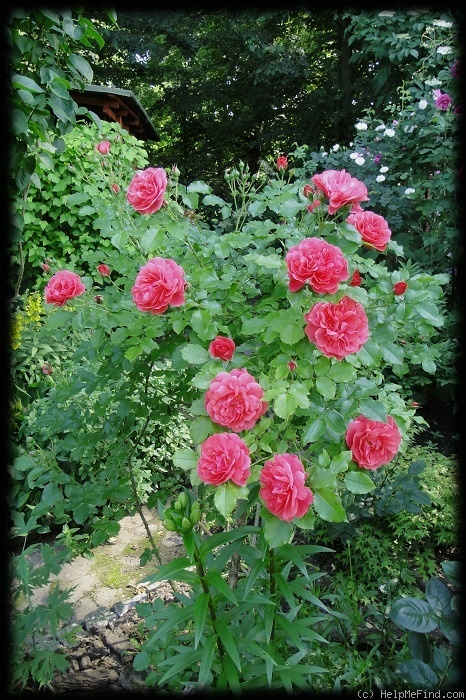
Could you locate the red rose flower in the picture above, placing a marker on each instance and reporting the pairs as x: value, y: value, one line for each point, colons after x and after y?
x: 356, y: 279
x: 104, y: 270
x: 147, y: 189
x: 282, y: 487
x: 318, y: 263
x: 103, y: 147
x: 400, y: 288
x: 234, y: 400
x: 341, y: 189
x: 339, y: 329
x: 292, y: 365
x: 282, y: 163
x: 158, y: 285
x: 224, y: 457
x: 62, y: 286
x: 372, y: 443
x: 372, y: 227
x: 222, y: 347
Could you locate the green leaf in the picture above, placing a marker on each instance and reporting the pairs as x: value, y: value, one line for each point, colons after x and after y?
x: 21, y: 81
x: 141, y: 661
x: 438, y: 596
x: 334, y: 420
x: 341, y: 372
x: 194, y: 354
x: 419, y: 673
x: 206, y: 659
x: 413, y: 614
x: 185, y: 459
x: 328, y: 506
x: 453, y: 571
x: 220, y: 538
x: 228, y: 642
x: 200, y: 429
x: 370, y: 353
x: 166, y: 571
x: 213, y: 578
x: 179, y: 662
x: 392, y: 354
x: 430, y: 313
x: 151, y: 239
x: 200, y: 612
x: 326, y: 387
x: 81, y: 65
x: 199, y: 186
x: 276, y: 532
x: 285, y: 405
x: 314, y: 430
x: 358, y: 482
x: 225, y: 498
x: 374, y: 410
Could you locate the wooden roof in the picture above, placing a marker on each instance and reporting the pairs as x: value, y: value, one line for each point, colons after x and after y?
x: 122, y: 106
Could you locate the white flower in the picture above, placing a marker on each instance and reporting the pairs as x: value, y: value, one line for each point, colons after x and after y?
x: 386, y: 13
x: 353, y: 156
x: 359, y: 161
x: 409, y: 128
x: 409, y: 190
x: 389, y: 132
x: 444, y: 50
x: 380, y: 178
x: 361, y: 126
x: 384, y: 169
x: 380, y: 127
x: 422, y: 104
x: 336, y: 147
x: 324, y: 153
x: 433, y: 81
x: 442, y: 23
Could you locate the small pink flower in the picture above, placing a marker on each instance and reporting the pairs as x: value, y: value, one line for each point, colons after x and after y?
x: 46, y: 369
x: 224, y: 457
x: 372, y: 227
x: 45, y: 267
x: 339, y: 329
x: 282, y: 163
x: 341, y: 189
x: 62, y: 286
x: 292, y: 365
x: 318, y: 263
x: 372, y: 443
x: 400, y: 288
x: 309, y: 191
x: 356, y: 279
x: 222, y: 348
x: 147, y: 189
x: 234, y: 400
x: 282, y: 487
x: 158, y: 285
x: 104, y: 270
x: 103, y: 147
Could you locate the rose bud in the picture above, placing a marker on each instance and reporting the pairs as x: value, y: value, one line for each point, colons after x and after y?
x: 400, y: 288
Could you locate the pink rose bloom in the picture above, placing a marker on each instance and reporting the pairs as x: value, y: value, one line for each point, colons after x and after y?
x: 147, y: 189
x: 103, y: 147
x: 339, y: 329
x: 62, y: 286
x: 341, y: 189
x: 159, y: 284
x: 223, y: 348
x: 372, y: 227
x: 234, y: 400
x: 317, y: 262
x: 282, y: 163
x: 372, y: 443
x: 104, y: 270
x: 224, y: 457
x: 443, y: 101
x: 282, y: 487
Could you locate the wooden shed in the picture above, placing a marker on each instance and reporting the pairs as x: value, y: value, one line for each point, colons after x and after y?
x: 122, y: 106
